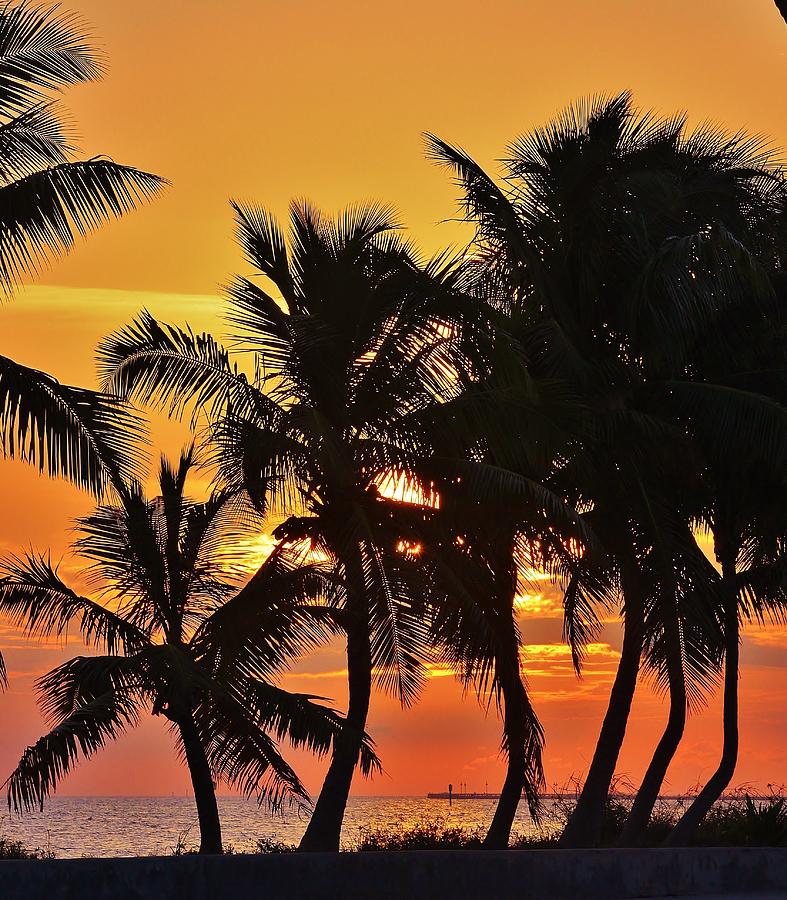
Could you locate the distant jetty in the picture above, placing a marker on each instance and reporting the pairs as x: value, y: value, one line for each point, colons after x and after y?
x: 445, y: 795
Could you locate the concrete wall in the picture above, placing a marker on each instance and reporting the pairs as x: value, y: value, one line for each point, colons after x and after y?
x: 446, y: 875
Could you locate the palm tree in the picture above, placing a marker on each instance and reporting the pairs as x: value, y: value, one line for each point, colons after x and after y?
x: 623, y: 237
x: 179, y: 640
x: 348, y: 357
x: 45, y: 199
x: 743, y: 365
x: 475, y: 623
x: 758, y: 592
x: 746, y: 495
x: 494, y: 444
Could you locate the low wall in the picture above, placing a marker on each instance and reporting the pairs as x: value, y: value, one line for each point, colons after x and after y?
x: 442, y: 875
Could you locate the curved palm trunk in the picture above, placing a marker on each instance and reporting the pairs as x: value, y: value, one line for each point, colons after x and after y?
x: 637, y: 821
x: 518, y: 721
x: 202, y: 783
x: 684, y: 830
x: 323, y: 832
x: 324, y: 829
x: 584, y: 827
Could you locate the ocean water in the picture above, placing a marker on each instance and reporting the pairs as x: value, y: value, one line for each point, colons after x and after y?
x: 141, y: 826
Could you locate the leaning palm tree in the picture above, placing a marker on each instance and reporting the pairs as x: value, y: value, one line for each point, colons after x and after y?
x: 742, y: 481
x: 751, y: 551
x: 623, y: 236
x: 744, y: 511
x: 178, y: 639
x: 494, y: 445
x: 46, y: 199
x: 356, y: 345
x: 474, y: 622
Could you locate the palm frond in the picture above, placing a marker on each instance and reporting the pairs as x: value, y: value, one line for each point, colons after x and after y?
x: 265, y: 247
x: 32, y: 140
x: 83, y: 679
x: 92, y: 439
x: 42, y: 212
x: 727, y: 421
x: 158, y: 363
x: 34, y: 598
x: 83, y: 733
x: 400, y: 643
x: 303, y: 721
x: 242, y: 755
x: 275, y: 618
x: 124, y: 546
x: 42, y: 49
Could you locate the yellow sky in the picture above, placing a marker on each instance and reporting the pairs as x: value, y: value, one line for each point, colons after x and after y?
x: 268, y: 100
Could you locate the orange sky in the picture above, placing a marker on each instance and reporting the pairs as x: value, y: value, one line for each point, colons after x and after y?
x: 267, y: 100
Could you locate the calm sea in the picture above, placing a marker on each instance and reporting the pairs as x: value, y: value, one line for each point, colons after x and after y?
x: 139, y: 826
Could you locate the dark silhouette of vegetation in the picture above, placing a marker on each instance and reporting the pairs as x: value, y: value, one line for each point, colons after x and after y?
x: 628, y: 242
x: 497, y: 520
x: 735, y: 821
x: 600, y: 377
x: 349, y: 364
x: 46, y: 198
x: 429, y: 834
x: 564, y: 397
x: 738, y: 820
x: 169, y: 598
x: 16, y: 850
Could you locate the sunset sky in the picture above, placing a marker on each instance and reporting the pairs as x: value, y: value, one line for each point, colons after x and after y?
x: 263, y: 101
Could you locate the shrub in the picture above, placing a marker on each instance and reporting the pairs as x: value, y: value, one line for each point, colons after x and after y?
x: 428, y: 834
x: 271, y: 845
x: 740, y: 821
x: 14, y: 850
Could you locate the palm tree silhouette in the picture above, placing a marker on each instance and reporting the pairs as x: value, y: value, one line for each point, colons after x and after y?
x: 180, y: 640
x: 745, y: 496
x: 494, y: 445
x: 347, y: 360
x: 622, y: 237
x: 755, y: 591
x: 45, y: 199
x: 474, y: 621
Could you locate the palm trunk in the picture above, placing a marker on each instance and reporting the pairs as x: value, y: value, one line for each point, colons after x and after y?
x: 684, y: 830
x: 637, y: 821
x: 323, y: 832
x: 202, y: 783
x: 584, y: 827
x: 518, y: 721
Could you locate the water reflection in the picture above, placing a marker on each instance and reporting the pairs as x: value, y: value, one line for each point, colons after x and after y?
x: 137, y: 826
